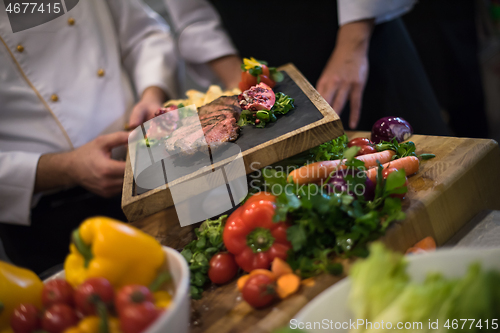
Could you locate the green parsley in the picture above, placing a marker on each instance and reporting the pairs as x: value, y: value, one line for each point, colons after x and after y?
x: 198, y: 252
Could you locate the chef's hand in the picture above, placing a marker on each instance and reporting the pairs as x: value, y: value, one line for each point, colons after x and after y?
x: 344, y: 77
x: 92, y: 167
x: 89, y: 166
x: 151, y: 101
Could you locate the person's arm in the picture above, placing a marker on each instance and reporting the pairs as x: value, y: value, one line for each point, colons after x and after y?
x: 151, y: 100
x: 228, y: 69
x: 344, y: 76
x: 202, y: 40
x: 148, y: 54
x: 89, y: 166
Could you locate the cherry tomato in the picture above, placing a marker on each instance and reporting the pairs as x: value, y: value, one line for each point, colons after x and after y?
x: 25, y: 319
x: 265, y: 70
x: 259, y: 291
x: 223, y: 268
x: 93, y: 288
x: 132, y: 295
x: 58, y: 318
x: 267, y: 80
x: 136, y: 318
x: 386, y: 173
x: 360, y: 142
x: 57, y: 291
x: 242, y: 85
x: 366, y: 150
x: 248, y: 81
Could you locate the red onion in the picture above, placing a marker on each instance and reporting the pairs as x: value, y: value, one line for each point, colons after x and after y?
x: 387, y: 128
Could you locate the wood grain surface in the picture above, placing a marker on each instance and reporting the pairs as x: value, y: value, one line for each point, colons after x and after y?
x: 444, y: 195
x: 137, y: 206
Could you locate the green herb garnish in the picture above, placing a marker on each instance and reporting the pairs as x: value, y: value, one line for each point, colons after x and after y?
x: 198, y: 252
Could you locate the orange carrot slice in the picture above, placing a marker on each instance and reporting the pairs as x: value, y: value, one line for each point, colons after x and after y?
x: 263, y: 272
x: 287, y: 285
x: 280, y: 267
x: 427, y: 244
x: 241, y: 281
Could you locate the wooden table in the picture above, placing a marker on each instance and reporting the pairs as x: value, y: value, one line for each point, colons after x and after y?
x: 443, y: 196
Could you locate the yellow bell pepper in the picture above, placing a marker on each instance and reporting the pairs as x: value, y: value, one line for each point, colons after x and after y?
x: 251, y: 63
x: 162, y: 299
x: 91, y: 324
x: 17, y: 285
x: 104, y: 247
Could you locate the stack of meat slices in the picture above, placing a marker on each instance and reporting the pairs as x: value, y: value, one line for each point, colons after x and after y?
x: 218, y: 125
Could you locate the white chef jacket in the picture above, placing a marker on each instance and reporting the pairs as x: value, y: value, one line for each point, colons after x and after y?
x: 200, y: 36
x: 380, y: 10
x: 61, y: 89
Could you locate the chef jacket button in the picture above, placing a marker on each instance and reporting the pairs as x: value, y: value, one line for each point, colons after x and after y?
x: 20, y: 48
x: 54, y: 98
x: 101, y: 72
x: 71, y: 21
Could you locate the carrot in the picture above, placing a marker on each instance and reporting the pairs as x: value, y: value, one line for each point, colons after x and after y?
x: 263, y: 272
x: 280, y: 267
x: 309, y: 282
x: 426, y: 244
x: 409, y: 163
x: 414, y: 250
x: 315, y: 172
x: 241, y: 281
x: 287, y: 285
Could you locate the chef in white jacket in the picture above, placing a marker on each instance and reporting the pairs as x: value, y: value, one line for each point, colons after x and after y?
x: 68, y: 88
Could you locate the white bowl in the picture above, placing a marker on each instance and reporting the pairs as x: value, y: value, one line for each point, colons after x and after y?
x: 331, y: 305
x: 176, y: 318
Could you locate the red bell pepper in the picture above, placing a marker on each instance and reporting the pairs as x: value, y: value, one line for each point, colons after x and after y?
x: 252, y: 236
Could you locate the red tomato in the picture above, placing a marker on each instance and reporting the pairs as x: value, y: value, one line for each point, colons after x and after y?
x: 242, y: 85
x: 25, y: 319
x: 132, y: 295
x: 58, y: 318
x: 360, y: 142
x: 267, y: 80
x: 136, y: 318
x: 366, y: 150
x: 248, y: 81
x: 57, y: 291
x: 223, y: 268
x: 259, y: 291
x: 386, y: 173
x: 93, y: 288
x: 265, y: 70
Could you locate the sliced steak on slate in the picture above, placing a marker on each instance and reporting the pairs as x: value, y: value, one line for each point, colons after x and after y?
x: 223, y: 103
x: 218, y: 125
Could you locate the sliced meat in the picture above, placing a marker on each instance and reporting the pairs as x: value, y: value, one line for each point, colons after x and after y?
x: 218, y: 122
x: 223, y: 103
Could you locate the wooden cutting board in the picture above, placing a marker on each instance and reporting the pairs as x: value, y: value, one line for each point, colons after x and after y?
x: 310, y: 124
x: 444, y: 195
